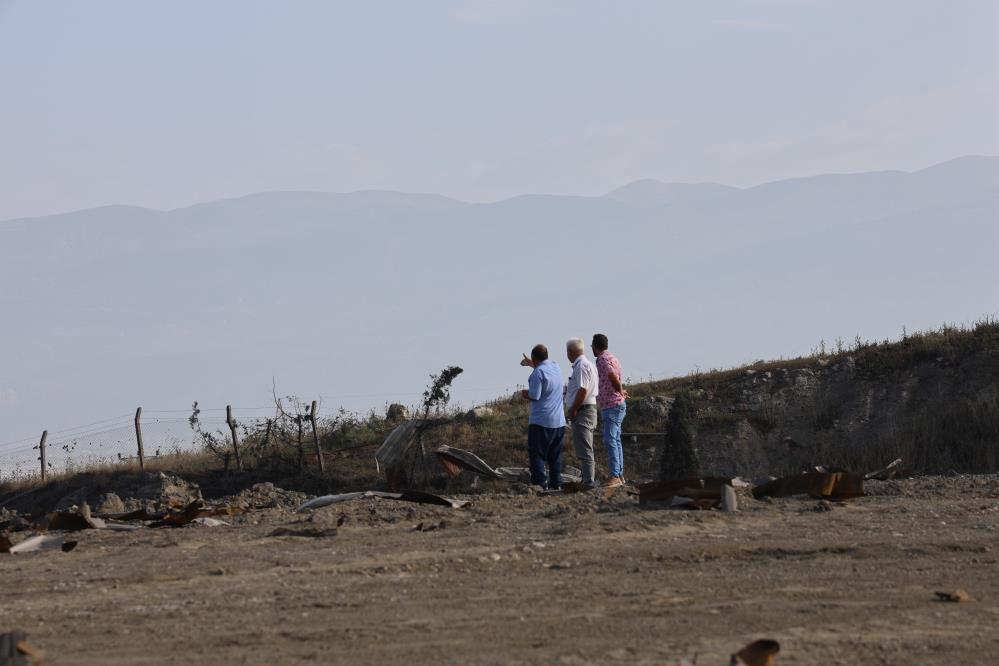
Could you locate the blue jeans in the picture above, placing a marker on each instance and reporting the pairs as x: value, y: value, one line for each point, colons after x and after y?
x: 613, y: 417
x: 544, y: 447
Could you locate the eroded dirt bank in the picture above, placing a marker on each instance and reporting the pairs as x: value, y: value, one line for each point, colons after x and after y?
x: 519, y: 578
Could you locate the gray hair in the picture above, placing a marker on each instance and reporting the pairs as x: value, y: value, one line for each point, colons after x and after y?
x: 575, y: 344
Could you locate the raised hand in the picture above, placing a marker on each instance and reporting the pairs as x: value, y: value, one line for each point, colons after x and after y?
x: 526, y: 362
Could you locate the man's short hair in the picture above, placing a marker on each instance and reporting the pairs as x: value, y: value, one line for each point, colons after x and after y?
x: 539, y: 353
x: 574, y: 344
x: 600, y: 341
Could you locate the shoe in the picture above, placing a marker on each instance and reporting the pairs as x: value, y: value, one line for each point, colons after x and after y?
x: 613, y: 482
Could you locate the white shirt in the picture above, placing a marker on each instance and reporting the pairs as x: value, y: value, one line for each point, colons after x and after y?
x: 584, y: 375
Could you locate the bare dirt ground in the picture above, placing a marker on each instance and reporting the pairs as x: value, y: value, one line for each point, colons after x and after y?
x: 520, y: 578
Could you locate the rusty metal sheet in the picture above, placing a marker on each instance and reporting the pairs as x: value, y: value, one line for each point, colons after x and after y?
x: 454, y: 459
x: 406, y: 496
x: 394, y: 447
x: 326, y: 500
x: 195, y: 509
x: 451, y: 468
x: 693, y: 488
x: 833, y: 485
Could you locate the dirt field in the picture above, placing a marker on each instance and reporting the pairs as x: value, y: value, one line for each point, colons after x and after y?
x: 520, y: 578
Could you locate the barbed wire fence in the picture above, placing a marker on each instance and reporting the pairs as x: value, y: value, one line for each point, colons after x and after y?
x: 277, y: 436
x: 288, y: 433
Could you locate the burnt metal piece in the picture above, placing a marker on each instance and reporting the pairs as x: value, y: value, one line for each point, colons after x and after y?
x: 831, y: 485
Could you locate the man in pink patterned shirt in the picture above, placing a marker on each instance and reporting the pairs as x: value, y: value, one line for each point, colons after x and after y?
x: 611, y: 402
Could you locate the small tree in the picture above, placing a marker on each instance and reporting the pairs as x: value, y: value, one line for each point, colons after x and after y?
x: 679, y: 459
x: 438, y: 393
x: 212, y: 441
x: 435, y: 399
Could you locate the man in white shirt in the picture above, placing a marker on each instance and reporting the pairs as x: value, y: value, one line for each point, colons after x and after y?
x: 581, y: 401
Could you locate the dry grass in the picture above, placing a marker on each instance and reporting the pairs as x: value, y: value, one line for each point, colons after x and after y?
x: 962, y: 434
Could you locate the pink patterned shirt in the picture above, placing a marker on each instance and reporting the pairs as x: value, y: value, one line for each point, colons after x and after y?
x: 606, y: 395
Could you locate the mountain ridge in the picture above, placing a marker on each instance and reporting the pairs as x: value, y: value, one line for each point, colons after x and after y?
x: 642, y: 192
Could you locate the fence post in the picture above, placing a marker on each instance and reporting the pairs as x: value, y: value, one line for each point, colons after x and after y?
x: 235, y: 437
x: 301, y: 446
x: 315, y: 438
x: 138, y: 438
x: 41, y: 451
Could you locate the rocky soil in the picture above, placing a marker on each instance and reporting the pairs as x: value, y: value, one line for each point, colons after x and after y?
x: 515, y: 577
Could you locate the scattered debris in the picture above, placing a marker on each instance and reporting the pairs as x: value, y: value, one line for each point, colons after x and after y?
x: 828, y: 485
x: 957, y: 596
x: 693, y: 493
x: 758, y: 653
x: 195, y: 509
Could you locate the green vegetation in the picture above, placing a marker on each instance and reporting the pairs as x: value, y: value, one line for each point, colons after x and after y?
x: 679, y: 458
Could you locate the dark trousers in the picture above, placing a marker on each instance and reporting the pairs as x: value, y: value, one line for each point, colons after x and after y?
x: 544, y: 447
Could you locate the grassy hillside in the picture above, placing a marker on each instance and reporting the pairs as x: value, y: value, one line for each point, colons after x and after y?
x: 931, y: 398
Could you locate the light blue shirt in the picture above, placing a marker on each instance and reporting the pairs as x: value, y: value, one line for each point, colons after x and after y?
x: 544, y: 388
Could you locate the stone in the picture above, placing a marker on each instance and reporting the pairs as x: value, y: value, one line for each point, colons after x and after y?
x: 480, y: 413
x: 652, y: 408
x: 109, y: 503
x: 169, y: 490
x: 397, y: 412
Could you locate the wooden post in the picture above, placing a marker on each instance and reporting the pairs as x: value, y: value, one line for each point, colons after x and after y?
x: 235, y: 437
x: 315, y: 438
x: 41, y: 451
x: 301, y: 446
x: 138, y: 439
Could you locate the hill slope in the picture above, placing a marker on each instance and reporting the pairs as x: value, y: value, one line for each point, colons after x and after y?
x: 355, y: 298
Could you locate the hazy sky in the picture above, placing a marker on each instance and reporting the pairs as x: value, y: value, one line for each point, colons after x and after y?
x: 164, y: 104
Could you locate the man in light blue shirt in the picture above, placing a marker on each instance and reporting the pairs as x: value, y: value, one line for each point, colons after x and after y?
x: 546, y: 425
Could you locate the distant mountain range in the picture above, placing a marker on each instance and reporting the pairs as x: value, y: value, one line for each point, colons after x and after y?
x: 364, y: 294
